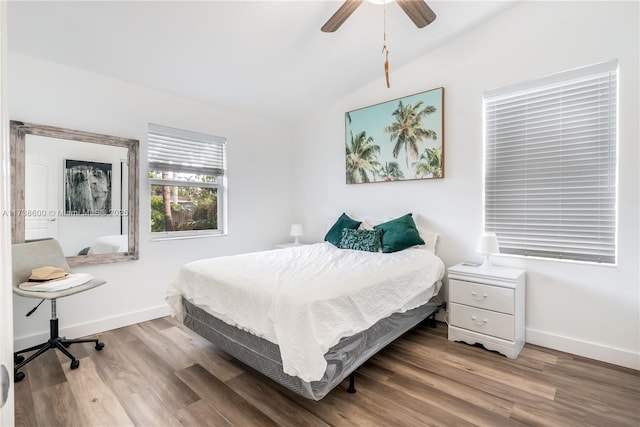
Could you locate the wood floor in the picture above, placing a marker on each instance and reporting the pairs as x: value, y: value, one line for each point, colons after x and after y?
x: 159, y: 373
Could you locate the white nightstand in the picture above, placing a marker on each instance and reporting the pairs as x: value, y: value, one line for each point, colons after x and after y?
x: 486, y: 306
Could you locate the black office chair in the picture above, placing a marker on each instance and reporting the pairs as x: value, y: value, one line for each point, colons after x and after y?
x: 35, y: 254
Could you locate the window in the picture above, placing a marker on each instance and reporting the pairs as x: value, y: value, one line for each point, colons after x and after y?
x: 187, y: 177
x: 550, y: 165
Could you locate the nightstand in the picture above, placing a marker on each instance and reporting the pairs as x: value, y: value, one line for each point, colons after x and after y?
x: 289, y: 245
x: 487, y: 306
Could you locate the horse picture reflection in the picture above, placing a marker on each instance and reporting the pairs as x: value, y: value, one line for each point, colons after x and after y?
x: 87, y: 188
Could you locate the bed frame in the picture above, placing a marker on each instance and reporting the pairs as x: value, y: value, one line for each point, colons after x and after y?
x: 342, y: 359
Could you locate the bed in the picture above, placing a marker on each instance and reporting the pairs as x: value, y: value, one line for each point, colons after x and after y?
x: 107, y: 245
x: 308, y: 316
x: 110, y: 244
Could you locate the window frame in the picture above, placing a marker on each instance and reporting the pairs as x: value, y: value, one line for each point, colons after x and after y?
x: 220, y: 185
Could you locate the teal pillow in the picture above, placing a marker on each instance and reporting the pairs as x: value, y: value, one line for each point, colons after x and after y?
x: 334, y: 235
x: 361, y: 240
x: 398, y: 234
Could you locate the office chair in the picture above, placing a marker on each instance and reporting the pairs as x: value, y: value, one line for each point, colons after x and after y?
x: 35, y: 254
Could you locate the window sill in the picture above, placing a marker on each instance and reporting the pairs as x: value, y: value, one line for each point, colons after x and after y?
x: 182, y: 236
x: 553, y: 260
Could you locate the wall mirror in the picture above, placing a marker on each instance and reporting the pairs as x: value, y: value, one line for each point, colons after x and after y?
x: 78, y: 187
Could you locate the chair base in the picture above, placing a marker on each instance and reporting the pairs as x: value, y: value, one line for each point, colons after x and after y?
x: 54, y: 342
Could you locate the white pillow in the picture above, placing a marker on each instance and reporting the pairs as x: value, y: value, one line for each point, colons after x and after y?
x: 369, y: 223
x: 430, y: 238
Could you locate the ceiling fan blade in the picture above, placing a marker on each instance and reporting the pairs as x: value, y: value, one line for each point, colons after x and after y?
x: 419, y: 12
x: 341, y: 15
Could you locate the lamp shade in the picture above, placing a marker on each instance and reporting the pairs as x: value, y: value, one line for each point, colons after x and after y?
x: 488, y: 244
x: 296, y: 230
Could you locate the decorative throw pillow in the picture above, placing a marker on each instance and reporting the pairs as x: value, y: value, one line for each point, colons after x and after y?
x: 398, y: 234
x: 361, y: 240
x: 334, y: 235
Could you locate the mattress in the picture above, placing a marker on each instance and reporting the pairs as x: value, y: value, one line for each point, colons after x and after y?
x: 341, y: 359
x: 306, y: 299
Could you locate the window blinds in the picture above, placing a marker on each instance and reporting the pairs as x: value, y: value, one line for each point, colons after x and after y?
x: 550, y: 165
x: 177, y: 150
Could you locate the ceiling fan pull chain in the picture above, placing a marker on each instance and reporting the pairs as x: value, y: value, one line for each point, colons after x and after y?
x: 385, y: 49
x: 386, y: 64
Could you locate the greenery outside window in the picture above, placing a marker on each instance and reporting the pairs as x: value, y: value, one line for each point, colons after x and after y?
x: 187, y: 181
x: 550, y: 187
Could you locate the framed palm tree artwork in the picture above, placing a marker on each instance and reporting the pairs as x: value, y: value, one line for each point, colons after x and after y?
x: 396, y: 140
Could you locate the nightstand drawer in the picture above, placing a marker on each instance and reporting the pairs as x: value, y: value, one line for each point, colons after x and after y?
x: 483, y: 296
x: 483, y: 321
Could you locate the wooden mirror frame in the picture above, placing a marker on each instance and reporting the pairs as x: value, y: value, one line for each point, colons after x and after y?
x: 19, y: 131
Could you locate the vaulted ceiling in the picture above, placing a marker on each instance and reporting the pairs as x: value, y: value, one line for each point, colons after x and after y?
x: 267, y: 58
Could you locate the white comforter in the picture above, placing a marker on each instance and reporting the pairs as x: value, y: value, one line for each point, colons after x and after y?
x: 306, y: 298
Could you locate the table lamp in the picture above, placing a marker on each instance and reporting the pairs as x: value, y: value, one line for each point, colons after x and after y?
x: 487, y: 245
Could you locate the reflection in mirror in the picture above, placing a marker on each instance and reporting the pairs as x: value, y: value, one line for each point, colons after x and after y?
x: 77, y: 187
x: 80, y: 188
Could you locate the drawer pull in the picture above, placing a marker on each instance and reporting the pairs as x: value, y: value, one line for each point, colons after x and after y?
x: 479, y: 323
x: 478, y: 297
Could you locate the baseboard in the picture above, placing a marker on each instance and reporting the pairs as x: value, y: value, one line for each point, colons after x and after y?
x: 95, y: 327
x: 616, y: 356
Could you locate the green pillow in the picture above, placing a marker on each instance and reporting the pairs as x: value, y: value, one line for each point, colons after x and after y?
x: 398, y: 234
x: 334, y: 235
x: 361, y: 240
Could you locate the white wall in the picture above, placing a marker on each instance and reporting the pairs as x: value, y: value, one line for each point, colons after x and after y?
x: 259, y: 180
x: 585, y: 309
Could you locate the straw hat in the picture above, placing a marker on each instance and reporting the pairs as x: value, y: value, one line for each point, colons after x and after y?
x: 44, y: 275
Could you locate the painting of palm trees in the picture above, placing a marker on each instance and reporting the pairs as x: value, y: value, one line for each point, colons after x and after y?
x: 396, y: 140
x: 362, y: 158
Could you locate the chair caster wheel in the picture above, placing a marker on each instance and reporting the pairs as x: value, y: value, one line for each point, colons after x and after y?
x: 99, y: 346
x: 19, y: 376
x: 75, y: 364
x: 18, y: 359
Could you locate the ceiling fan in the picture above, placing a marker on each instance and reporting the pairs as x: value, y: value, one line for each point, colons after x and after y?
x: 417, y: 10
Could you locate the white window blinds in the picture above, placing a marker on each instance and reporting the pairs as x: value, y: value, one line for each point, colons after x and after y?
x: 178, y: 150
x: 550, y: 165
